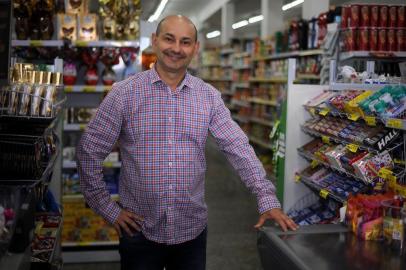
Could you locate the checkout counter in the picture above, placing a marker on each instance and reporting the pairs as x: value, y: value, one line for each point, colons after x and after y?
x: 324, y: 247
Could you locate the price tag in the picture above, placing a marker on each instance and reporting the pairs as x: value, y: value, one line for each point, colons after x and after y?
x: 84, y: 243
x: 323, y: 193
x: 68, y: 89
x: 370, y: 120
x: 81, y: 43
x: 89, y: 89
x: 312, y: 111
x: 324, y: 112
x: 394, y: 123
x: 354, y: 116
x: 82, y: 127
x: 108, y: 164
x: 385, y: 173
x: 398, y: 161
x: 297, y: 178
x: 325, y: 139
x: 353, y: 147
x: 36, y: 43
x: 318, y: 155
x: 391, y: 179
x: 314, y: 164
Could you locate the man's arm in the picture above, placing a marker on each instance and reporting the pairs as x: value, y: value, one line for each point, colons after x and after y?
x: 234, y: 143
x: 96, y: 143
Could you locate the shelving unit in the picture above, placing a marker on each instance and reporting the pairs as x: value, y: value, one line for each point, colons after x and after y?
x: 78, y: 43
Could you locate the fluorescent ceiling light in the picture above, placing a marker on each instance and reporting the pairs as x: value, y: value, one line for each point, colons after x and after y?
x: 213, y: 34
x: 239, y: 24
x: 158, y: 11
x: 292, y: 4
x: 256, y: 19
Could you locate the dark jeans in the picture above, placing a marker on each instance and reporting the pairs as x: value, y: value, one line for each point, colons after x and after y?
x: 139, y: 253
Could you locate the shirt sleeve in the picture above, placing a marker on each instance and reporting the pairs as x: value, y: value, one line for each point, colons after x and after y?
x: 96, y: 143
x: 233, y: 142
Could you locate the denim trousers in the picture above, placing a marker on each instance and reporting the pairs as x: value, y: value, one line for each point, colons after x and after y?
x: 139, y: 253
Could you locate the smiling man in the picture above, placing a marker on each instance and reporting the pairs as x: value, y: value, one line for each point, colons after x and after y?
x: 161, y: 118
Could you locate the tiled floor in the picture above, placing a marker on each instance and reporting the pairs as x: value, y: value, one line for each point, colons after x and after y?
x: 232, y: 215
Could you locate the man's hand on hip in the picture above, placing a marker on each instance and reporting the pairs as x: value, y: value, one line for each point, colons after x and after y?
x: 127, y: 221
x: 277, y: 214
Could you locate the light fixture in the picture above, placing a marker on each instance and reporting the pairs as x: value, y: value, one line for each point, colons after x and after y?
x: 256, y: 19
x: 292, y: 4
x: 158, y: 11
x: 213, y: 34
x: 239, y: 24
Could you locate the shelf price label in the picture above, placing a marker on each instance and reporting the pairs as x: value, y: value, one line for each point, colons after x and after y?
x: 82, y: 43
x: 297, y: 178
x: 68, y: 89
x: 325, y: 139
x: 312, y: 111
x: 89, y: 89
x: 108, y: 164
x: 352, y: 147
x: 394, y: 123
x: 385, y: 173
x: 314, y: 164
x: 323, y: 193
x: 370, y: 120
x: 36, y: 43
x: 82, y: 127
x: 354, y: 116
x: 324, y: 112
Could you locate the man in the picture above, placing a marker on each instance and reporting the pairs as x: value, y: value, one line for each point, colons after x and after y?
x: 161, y: 119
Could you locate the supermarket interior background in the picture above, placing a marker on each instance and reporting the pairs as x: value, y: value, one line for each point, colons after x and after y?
x: 318, y: 87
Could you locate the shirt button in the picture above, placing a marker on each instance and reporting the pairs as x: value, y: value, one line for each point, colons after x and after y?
x: 170, y: 164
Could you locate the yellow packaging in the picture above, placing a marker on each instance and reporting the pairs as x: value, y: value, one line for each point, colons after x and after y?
x: 352, y: 106
x: 67, y: 26
x: 87, y: 27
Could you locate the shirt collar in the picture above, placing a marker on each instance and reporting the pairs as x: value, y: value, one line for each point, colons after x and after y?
x: 188, y: 80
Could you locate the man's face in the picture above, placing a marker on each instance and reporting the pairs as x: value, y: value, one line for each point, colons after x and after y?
x: 175, y: 45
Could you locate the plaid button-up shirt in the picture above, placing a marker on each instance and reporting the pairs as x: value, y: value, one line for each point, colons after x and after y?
x: 162, y: 136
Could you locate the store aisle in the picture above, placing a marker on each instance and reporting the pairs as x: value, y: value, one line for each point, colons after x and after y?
x: 232, y: 215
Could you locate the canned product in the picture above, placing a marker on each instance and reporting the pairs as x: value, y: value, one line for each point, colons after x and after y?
x: 354, y: 17
x: 363, y: 39
x: 401, y: 16
x: 365, y: 16
x: 383, y: 16
x: 391, y: 39
x: 393, y: 10
x: 373, y: 37
x: 350, y: 39
x: 382, y: 39
x: 401, y: 39
x: 374, y: 20
x: 345, y: 16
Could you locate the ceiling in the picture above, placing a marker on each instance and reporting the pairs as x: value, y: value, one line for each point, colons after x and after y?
x: 189, y: 8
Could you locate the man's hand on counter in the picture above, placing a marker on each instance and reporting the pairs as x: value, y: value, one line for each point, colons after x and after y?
x: 277, y: 215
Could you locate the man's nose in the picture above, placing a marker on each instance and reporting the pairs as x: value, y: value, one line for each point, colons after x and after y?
x: 176, y: 47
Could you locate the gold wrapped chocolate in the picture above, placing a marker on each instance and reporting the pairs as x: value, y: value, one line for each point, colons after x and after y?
x: 88, y: 27
x: 25, y: 92
x: 38, y: 93
x: 67, y: 26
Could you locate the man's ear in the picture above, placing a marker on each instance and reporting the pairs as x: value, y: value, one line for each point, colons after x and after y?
x: 197, y: 47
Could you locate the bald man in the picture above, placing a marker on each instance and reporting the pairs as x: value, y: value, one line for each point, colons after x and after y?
x: 161, y: 119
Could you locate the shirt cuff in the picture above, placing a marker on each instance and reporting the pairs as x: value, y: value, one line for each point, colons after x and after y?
x: 267, y: 202
x: 111, y: 212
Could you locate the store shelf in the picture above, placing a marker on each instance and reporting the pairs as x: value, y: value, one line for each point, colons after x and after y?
x: 240, y: 119
x: 241, y: 85
x: 211, y: 65
x: 72, y: 164
x: 227, y: 92
x: 87, y: 88
x: 242, y: 54
x: 226, y: 65
x: 60, y: 43
x: 308, y: 77
x: 261, y: 121
x: 242, y: 67
x: 359, y: 86
x: 263, y: 101
x: 214, y: 79
x: 269, y: 80
x: 226, y: 51
x: 371, y: 54
x: 241, y: 103
x: 322, y: 192
x: 93, y: 244
x: 74, y: 127
x: 260, y: 142
x: 311, y: 52
x: 288, y: 55
x: 80, y: 197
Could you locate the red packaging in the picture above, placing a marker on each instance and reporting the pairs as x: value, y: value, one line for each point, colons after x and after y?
x: 401, y: 16
x: 350, y: 39
x: 363, y: 39
x: 383, y: 16
x: 345, y: 16
x: 365, y: 16
x: 401, y: 39
x: 393, y: 10
x: 354, y: 19
x: 382, y: 40
x: 373, y: 37
x: 391, y: 40
x: 374, y: 16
